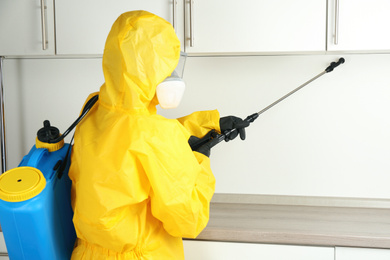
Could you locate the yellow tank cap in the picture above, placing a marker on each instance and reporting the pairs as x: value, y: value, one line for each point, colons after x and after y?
x: 21, y: 183
x: 50, y: 147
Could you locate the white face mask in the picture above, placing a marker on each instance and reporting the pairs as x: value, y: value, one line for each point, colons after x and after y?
x: 171, y: 90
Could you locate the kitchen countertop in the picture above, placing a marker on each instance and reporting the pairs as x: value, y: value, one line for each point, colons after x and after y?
x: 298, y: 225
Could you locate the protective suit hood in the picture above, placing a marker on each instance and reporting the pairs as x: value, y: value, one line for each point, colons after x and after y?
x: 141, y: 50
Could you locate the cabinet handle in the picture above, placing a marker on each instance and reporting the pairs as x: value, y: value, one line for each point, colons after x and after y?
x: 336, y: 23
x: 174, y: 14
x: 2, y: 122
x: 191, y: 23
x: 43, y: 23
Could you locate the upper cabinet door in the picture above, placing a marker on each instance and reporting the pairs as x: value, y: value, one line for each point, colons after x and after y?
x: 358, y: 25
x: 254, y: 26
x: 27, y: 27
x: 82, y: 26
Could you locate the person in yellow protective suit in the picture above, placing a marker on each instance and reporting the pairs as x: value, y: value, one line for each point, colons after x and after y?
x: 137, y: 187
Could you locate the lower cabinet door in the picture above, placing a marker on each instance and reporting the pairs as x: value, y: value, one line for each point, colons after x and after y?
x: 350, y: 253
x: 205, y: 250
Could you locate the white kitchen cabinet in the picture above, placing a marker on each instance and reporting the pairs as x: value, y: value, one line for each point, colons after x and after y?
x: 358, y: 25
x: 255, y: 26
x: 25, y: 27
x: 3, y: 248
x: 206, y: 250
x: 349, y: 253
x: 82, y: 26
x: 249, y: 26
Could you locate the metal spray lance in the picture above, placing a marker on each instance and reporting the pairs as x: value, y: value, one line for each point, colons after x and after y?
x: 213, y: 138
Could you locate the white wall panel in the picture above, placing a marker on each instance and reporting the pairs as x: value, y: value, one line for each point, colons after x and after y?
x: 329, y: 139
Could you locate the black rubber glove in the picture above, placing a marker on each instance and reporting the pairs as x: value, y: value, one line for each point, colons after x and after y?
x: 206, y: 148
x: 203, y: 148
x: 231, y: 122
x: 196, y: 142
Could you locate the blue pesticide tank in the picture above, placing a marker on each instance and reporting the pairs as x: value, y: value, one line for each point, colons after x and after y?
x: 35, y: 208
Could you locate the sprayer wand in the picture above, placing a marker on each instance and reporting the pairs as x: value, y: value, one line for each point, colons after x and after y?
x: 213, y: 138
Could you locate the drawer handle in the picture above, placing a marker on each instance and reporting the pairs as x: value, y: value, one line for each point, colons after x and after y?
x: 191, y: 23
x: 336, y: 23
x: 43, y: 24
x: 2, y: 121
x: 174, y: 14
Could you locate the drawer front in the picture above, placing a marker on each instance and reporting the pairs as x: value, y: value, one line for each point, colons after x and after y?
x: 349, y: 253
x: 205, y: 250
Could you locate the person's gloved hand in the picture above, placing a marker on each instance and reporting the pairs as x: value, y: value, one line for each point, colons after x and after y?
x: 203, y: 147
x: 206, y: 148
x: 196, y: 142
x: 231, y: 122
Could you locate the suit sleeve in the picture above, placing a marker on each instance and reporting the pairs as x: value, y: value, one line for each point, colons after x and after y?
x: 182, y: 183
x: 201, y: 122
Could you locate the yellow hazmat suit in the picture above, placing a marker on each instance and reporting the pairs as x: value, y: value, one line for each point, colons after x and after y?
x: 138, y: 188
